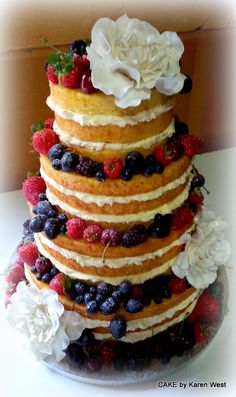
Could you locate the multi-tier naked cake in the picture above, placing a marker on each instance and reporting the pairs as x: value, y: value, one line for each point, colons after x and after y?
x: 119, y: 256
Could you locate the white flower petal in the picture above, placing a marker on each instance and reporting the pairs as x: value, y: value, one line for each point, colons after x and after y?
x: 133, y: 97
x: 170, y: 85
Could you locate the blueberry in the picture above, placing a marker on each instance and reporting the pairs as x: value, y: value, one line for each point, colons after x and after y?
x: 125, y: 287
x: 118, y: 327
x: 92, y: 307
x: 180, y: 127
x: 78, y: 47
x: 197, y: 181
x: 93, y: 289
x: 39, y: 276
x: 157, y: 297
x: 166, y: 293
x: 51, y: 228
x: 37, y: 223
x: 80, y: 288
x: 56, y: 164
x: 88, y: 297
x: 159, y: 168
x: 69, y: 161
x: 44, y: 207
x: 33, y: 269
x: 158, y: 231
x: 100, y: 176
x: 133, y: 305
x: 54, y: 271
x: 26, y: 229
x: 42, y: 197
x: 150, y: 165
x: 135, y: 161
x: 86, y: 338
x: 149, y: 170
x: 99, y: 298
x: 56, y: 152
x: 109, y: 306
x: 146, y: 299
x: 71, y: 293
x: 46, y: 278
x: 126, y: 174
x: 62, y: 218
x: 187, y: 87
x: 34, y: 210
x: 117, y: 296
x: 104, y: 289
x: 63, y: 229
x: 79, y: 299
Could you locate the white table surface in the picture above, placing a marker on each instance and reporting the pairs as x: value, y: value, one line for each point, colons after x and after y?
x: 21, y: 376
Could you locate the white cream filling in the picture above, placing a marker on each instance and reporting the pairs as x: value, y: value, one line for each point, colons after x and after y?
x: 103, y: 119
x: 114, y: 263
x: 102, y: 200
x: 144, y: 216
x: 141, y: 335
x: 114, y: 280
x: 144, y: 143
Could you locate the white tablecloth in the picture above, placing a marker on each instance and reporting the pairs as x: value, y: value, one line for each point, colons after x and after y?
x: 21, y: 376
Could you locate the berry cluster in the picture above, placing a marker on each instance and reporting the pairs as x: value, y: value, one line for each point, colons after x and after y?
x: 71, y: 69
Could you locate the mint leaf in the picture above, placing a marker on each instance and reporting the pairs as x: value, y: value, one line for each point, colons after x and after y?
x: 67, y: 283
x: 33, y: 173
x: 53, y: 58
x: 39, y: 125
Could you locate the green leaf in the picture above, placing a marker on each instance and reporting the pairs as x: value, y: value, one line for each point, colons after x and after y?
x: 39, y: 125
x: 53, y: 58
x: 66, y: 283
x: 33, y: 173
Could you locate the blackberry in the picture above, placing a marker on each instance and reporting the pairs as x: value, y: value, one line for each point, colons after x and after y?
x: 156, y: 231
x: 69, y: 161
x: 56, y: 152
x: 135, y: 161
x: 126, y: 174
x: 86, y: 167
x: 56, y: 164
x: 78, y: 47
x: 51, y: 228
x: 43, y: 265
x: 180, y: 128
x: 136, y: 235
x: 118, y: 327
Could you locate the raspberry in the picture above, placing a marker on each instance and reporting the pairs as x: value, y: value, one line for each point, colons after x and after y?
x: 50, y: 70
x: 57, y: 283
x: 15, y: 275
x: 191, y: 144
x: 177, y: 285
x: 112, y: 168
x: 181, y: 217
x: 28, y: 253
x: 49, y: 123
x: 111, y: 236
x: 72, y: 79
x: 32, y: 187
x: 75, y: 228
x: 43, y: 140
x: 86, y: 167
x: 92, y: 233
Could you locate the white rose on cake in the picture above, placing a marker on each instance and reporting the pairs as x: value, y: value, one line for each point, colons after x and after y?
x: 129, y: 57
x: 40, y: 318
x: 205, y: 250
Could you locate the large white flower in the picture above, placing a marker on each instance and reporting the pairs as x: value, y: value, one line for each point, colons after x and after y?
x: 39, y: 316
x: 205, y: 250
x: 129, y: 57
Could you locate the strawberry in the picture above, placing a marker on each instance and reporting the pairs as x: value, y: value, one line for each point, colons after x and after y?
x: 207, y: 309
x: 107, y: 353
x: 195, y: 197
x: 28, y: 253
x: 61, y: 283
x: 173, y: 147
x: 201, y: 332
x: 32, y: 187
x: 49, y: 123
x: 57, y: 283
x: 181, y: 217
x: 177, y: 285
x: 50, y: 70
x: 163, y: 157
x: 112, y: 168
x: 43, y: 140
x: 72, y: 79
x: 75, y: 228
x: 191, y: 144
x: 15, y: 275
